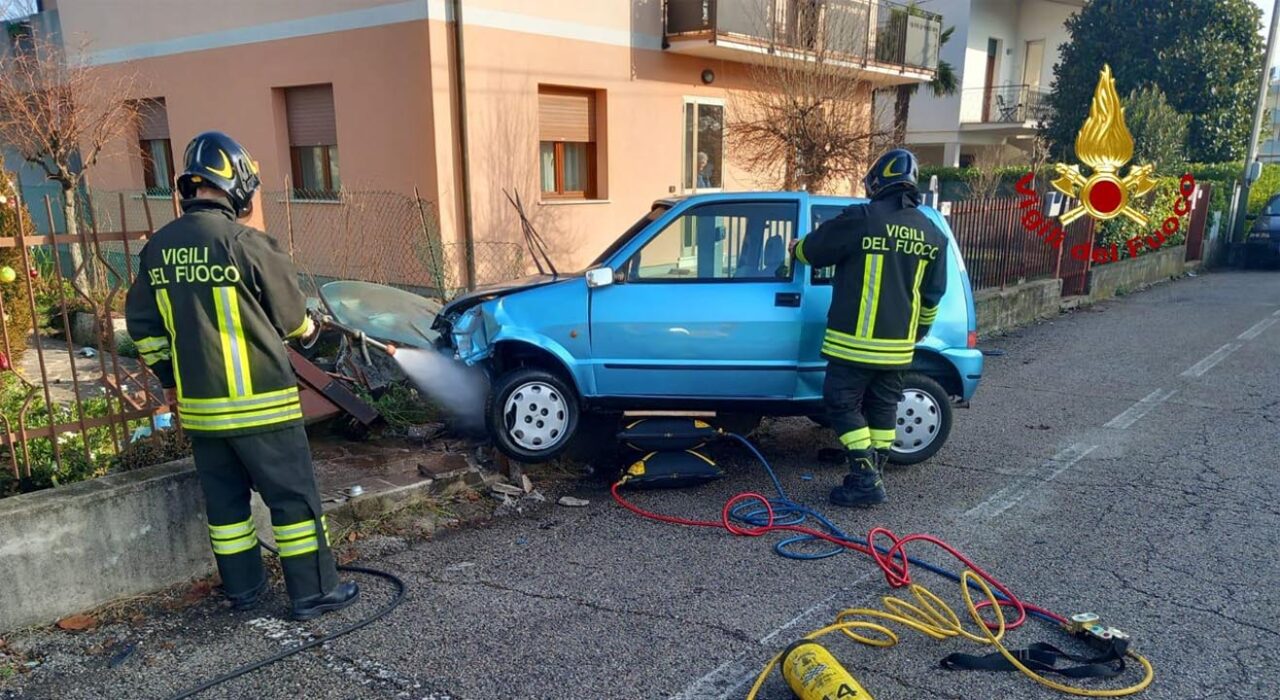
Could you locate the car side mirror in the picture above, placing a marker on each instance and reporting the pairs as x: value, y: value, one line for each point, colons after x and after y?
x: 600, y: 277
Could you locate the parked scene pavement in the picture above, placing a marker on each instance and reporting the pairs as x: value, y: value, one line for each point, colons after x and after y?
x: 1117, y: 459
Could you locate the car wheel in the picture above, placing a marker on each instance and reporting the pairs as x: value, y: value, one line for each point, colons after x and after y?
x: 532, y: 415
x: 924, y: 420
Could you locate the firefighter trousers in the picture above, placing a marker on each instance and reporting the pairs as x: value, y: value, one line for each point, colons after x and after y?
x: 277, y: 465
x: 862, y: 404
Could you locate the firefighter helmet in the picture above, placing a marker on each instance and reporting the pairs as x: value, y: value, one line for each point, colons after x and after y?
x: 897, y: 167
x: 214, y: 159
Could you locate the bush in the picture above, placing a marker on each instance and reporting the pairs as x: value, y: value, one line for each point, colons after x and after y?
x: 1159, y: 130
x: 162, y: 446
x: 17, y: 320
x: 956, y: 183
x: 400, y: 405
x: 1121, y: 229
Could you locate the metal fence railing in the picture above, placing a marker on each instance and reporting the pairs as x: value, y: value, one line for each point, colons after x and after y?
x: 999, y: 251
x: 383, y: 237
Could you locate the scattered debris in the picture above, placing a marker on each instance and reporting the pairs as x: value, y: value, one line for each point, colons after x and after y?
x: 806, y: 477
x: 460, y: 566
x: 77, y: 623
x: 505, y: 490
x: 1041, y: 426
x: 522, y: 540
x: 88, y: 352
x: 425, y: 432
x: 355, y: 490
x: 572, y: 502
x: 526, y: 483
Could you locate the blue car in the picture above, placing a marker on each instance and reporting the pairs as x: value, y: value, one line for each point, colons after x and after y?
x: 696, y: 307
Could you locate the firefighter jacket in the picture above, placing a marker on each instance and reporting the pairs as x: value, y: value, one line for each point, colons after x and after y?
x: 891, y: 272
x: 209, y: 310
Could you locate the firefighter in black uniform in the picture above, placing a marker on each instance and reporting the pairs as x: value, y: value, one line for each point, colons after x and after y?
x: 213, y: 302
x: 890, y: 275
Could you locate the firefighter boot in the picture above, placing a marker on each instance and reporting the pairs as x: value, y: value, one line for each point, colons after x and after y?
x: 882, y: 458
x: 862, y: 487
x: 247, y: 601
x: 340, y: 597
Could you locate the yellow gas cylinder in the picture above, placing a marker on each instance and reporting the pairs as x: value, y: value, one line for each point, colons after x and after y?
x: 814, y: 674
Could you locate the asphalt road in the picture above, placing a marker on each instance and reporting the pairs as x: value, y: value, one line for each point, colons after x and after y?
x: 1120, y: 459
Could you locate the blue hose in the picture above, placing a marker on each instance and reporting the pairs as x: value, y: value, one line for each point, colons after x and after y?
x: 789, y: 512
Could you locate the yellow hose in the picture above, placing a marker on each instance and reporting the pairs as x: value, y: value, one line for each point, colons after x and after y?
x: 931, y: 616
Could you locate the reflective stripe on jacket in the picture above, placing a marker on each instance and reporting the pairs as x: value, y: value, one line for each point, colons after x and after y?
x: 891, y: 272
x: 209, y: 310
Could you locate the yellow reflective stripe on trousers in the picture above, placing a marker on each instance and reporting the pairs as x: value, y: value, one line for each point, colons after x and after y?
x: 235, y: 351
x: 872, y: 273
x: 248, y: 419
x: 232, y: 530
x: 915, y: 298
x: 296, y: 548
x: 285, y: 532
x: 858, y: 439
x: 883, y: 438
x: 235, y: 546
x: 166, y: 313
x: 152, y: 358
x: 234, y: 538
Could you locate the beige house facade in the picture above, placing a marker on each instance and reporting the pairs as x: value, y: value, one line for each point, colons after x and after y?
x: 590, y: 109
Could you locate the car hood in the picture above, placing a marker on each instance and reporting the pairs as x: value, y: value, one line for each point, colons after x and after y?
x: 493, y: 291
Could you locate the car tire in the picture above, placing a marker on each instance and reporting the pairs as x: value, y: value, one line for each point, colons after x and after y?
x: 532, y: 415
x: 923, y: 421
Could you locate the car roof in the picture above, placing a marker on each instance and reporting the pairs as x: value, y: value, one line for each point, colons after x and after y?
x: 757, y: 196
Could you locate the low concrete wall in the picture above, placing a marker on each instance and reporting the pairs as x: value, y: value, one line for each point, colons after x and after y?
x: 1002, y: 309
x: 1124, y: 276
x: 76, y: 547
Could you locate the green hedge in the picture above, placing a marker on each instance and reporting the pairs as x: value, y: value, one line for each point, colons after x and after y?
x: 954, y: 182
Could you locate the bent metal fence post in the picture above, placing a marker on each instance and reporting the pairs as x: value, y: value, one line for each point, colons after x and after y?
x: 55, y: 429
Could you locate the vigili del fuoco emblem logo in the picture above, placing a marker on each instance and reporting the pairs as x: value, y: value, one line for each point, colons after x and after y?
x: 1105, y: 145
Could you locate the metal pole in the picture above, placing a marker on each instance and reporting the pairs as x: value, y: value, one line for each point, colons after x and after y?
x: 1258, y: 109
x: 464, y: 166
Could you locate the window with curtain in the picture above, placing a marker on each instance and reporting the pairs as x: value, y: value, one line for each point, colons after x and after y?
x: 313, y: 141
x: 155, y: 147
x: 567, y: 143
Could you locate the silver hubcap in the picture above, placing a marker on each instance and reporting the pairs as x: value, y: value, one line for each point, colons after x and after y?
x: 536, y: 416
x: 918, y: 421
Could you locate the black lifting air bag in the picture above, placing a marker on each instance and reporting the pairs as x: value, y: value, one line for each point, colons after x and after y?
x: 650, y: 434
x: 658, y: 470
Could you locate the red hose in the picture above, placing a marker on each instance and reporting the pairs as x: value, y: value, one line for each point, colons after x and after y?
x: 892, y: 563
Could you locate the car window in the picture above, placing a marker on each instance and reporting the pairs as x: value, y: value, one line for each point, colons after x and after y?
x: 654, y: 214
x: 821, y: 214
x: 729, y: 241
x: 1272, y: 208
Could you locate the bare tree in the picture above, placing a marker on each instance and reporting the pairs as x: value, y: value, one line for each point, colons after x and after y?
x: 989, y: 169
x: 808, y: 120
x: 59, y: 113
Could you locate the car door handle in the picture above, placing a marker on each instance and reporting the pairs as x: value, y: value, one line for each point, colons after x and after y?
x: 787, y: 299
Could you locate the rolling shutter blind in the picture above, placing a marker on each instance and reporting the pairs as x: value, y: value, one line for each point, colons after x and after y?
x: 566, y: 115
x: 153, y: 120
x: 310, y: 116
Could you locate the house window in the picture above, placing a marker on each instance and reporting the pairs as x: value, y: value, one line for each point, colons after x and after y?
x: 313, y: 141
x: 567, y: 143
x: 703, y: 144
x: 155, y: 146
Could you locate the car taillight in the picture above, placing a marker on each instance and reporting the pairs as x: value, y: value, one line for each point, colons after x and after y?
x: 973, y: 339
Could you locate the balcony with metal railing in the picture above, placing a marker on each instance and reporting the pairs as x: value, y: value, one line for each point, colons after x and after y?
x: 884, y: 42
x: 1004, y: 107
